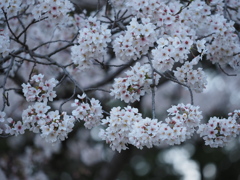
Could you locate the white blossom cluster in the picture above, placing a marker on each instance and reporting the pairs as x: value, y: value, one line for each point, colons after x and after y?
x: 36, y: 118
x: 136, y: 41
x: 52, y: 9
x: 136, y: 84
x: 168, y: 33
x: 224, y: 43
x: 52, y: 125
x: 218, y: 132
x: 235, y: 115
x: 39, y: 9
x: 92, y: 43
x: 223, y: 48
x: 195, y: 79
x: 187, y: 116
x: 195, y: 16
x: 157, y: 11
x: 170, y: 50
x: 12, y: 7
x: 221, y: 41
x: 119, y: 125
x: 126, y: 126
x: 179, y: 126
x: 90, y: 113
x: 147, y: 132
x: 9, y: 126
x: 39, y: 90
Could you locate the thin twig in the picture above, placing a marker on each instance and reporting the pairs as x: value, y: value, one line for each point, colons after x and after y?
x: 225, y: 71
x: 178, y: 82
x: 7, y: 72
x: 153, y: 91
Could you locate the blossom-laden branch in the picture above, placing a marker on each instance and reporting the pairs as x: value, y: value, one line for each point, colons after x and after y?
x: 85, y: 56
x: 66, y: 68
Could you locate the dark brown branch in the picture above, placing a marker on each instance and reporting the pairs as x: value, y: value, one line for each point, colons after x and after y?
x: 111, y: 77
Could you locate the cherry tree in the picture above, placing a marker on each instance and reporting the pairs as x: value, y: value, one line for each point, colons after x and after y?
x: 61, y: 69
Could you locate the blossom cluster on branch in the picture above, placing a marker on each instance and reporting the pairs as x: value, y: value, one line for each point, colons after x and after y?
x: 150, y: 40
x: 127, y: 126
x: 92, y: 43
x: 90, y: 113
x: 136, y: 84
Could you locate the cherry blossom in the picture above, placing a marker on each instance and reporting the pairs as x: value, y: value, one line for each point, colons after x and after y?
x: 119, y: 125
x: 136, y: 41
x: 136, y: 84
x: 40, y: 91
x: 90, y: 113
x: 158, y: 41
x: 92, y: 44
x: 218, y: 132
